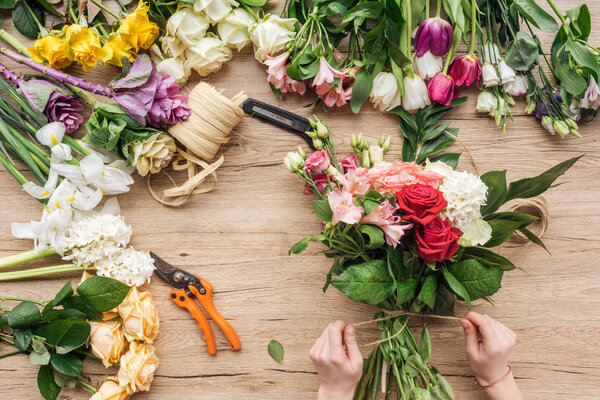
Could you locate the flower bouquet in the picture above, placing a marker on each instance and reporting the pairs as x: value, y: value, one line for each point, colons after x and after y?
x: 104, y: 320
x: 411, y: 236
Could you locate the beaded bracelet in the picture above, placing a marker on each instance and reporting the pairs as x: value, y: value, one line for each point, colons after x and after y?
x: 493, y: 383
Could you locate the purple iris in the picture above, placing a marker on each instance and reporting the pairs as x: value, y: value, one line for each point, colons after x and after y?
x: 434, y: 35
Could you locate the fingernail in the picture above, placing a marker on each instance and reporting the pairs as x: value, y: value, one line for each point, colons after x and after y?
x: 350, y: 330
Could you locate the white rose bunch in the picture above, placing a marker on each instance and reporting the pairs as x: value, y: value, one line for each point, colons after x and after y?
x: 271, y: 35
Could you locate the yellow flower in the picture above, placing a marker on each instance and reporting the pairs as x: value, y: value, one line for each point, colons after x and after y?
x: 137, y: 368
x: 51, y: 50
x: 110, y: 390
x: 137, y: 30
x: 85, y: 45
x: 107, y: 341
x: 115, y: 49
x: 140, y: 317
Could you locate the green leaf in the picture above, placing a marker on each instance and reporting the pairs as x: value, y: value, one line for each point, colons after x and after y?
x: 570, y: 79
x: 39, y: 358
x: 103, y: 294
x: 583, y: 56
x: 63, y: 294
x: 524, y: 219
x: 7, y: 4
x: 299, y: 246
x: 254, y: 3
x: 444, y: 301
x: 414, y: 365
x: 276, y: 351
x: 447, y: 158
x: 375, y: 234
x: 456, y: 286
x: 522, y: 52
x: 369, y: 9
x: 581, y: 21
x: 425, y: 344
x: 77, y: 303
x: 66, y: 333
x: 22, y: 338
x: 23, y: 20
x: 66, y: 313
x: 536, y: 15
x: 534, y: 238
x: 434, y: 146
x: 477, y: 279
x: 323, y: 210
x: 4, y: 321
x: 361, y: 90
x: 68, y: 364
x: 24, y: 315
x: 428, y: 291
x: 369, y: 282
x: 405, y: 291
x: 46, y: 384
x: 497, y: 190
x: 489, y: 258
x: 64, y: 381
x: 531, y: 187
x: 502, y: 229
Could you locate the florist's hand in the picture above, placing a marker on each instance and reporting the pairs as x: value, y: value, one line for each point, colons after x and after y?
x: 489, y: 344
x: 339, y: 368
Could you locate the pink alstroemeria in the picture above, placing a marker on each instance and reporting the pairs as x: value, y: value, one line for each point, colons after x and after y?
x: 327, y: 73
x: 382, y: 215
x: 353, y: 184
x: 294, y: 86
x: 276, y: 70
x: 393, y: 233
x: 343, y: 208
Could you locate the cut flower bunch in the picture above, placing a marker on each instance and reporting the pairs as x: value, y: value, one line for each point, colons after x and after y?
x: 104, y: 320
x: 412, y: 235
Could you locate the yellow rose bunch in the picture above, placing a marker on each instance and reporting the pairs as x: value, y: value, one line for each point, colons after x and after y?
x: 137, y: 30
x: 51, y: 50
x: 85, y: 45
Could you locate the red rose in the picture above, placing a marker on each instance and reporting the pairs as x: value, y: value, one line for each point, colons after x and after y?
x: 421, y: 203
x: 437, y: 240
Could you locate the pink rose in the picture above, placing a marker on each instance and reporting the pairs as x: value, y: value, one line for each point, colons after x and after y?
x: 320, y: 182
x: 317, y: 162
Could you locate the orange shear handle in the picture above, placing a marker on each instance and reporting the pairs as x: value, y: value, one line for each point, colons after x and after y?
x: 207, y: 302
x: 180, y: 298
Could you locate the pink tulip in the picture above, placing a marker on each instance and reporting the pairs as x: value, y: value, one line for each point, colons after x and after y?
x: 343, y: 208
x: 441, y: 89
x: 434, y: 35
x: 466, y: 70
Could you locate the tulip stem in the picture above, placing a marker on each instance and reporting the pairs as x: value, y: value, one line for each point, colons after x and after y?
x: 39, y: 303
x: 473, y: 25
x: 86, y: 385
x: 14, y: 42
x: 12, y: 353
x: 439, y: 9
x: 455, y: 43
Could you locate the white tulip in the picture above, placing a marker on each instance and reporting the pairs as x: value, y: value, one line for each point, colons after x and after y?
x: 51, y: 134
x: 486, y: 102
x: 216, y: 10
x: 271, y: 35
x: 415, y: 93
x: 507, y: 74
x: 478, y: 233
x: 428, y: 65
x: 489, y: 75
x: 491, y: 53
x: 234, y: 29
x: 207, y: 56
x: 517, y: 87
x: 187, y: 26
x: 175, y: 68
x: 385, y: 94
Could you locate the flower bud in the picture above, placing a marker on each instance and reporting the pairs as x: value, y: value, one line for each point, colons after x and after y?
x: 561, y: 128
x: 530, y: 106
x: 353, y: 141
x: 318, y: 144
x: 384, y: 143
x: 312, y: 134
x: 322, y: 130
x: 301, y: 152
x: 364, y: 159
x: 331, y: 170
x: 293, y: 161
x: 571, y: 123
x: 375, y: 154
x: 547, y: 123
x: 312, y: 122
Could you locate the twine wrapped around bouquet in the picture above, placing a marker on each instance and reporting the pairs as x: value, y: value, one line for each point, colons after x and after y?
x: 211, y: 121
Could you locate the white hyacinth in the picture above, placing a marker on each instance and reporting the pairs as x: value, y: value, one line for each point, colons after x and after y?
x: 128, y: 265
x: 465, y: 194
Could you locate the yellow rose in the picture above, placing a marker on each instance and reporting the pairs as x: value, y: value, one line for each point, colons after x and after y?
x: 51, y: 50
x: 85, y: 45
x: 137, y: 30
x: 137, y: 368
x: 107, y: 341
x: 110, y: 390
x: 140, y: 317
x: 114, y: 51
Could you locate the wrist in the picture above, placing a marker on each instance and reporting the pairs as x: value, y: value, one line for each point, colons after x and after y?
x: 492, y: 376
x: 506, y: 389
x: 327, y: 393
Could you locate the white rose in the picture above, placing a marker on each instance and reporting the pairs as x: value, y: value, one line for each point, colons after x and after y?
x: 439, y: 167
x: 207, y: 56
x: 216, y: 10
x: 489, y: 75
x: 416, y: 95
x: 428, y: 65
x: 385, y: 94
x: 271, y: 35
x: 175, y: 68
x: 507, y: 74
x: 478, y: 232
x: 187, y: 26
x: 517, y: 87
x: 486, y: 102
x: 234, y: 29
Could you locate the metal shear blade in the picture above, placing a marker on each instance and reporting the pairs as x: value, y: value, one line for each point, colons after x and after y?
x: 176, y: 277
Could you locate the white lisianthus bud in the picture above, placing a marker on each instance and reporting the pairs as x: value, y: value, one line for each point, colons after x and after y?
x: 486, y: 102
x: 301, y: 152
x: 478, y: 233
x: 548, y: 124
x: 207, y: 56
x: 428, y: 65
x: 384, y: 142
x: 507, y: 74
x: 293, y: 161
x: 353, y: 141
x: 322, y: 130
x: 489, y: 75
x: 216, y: 10
x: 312, y: 134
x: 385, y: 94
x: 561, y: 128
x: 491, y: 53
x: 517, y: 87
x: 233, y: 30
x: 318, y: 144
x: 530, y: 106
x: 416, y: 95
x: 271, y: 34
x: 365, y: 160
x: 331, y: 170
x: 187, y: 26
x: 375, y: 154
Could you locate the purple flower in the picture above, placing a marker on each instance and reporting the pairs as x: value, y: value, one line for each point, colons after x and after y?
x: 542, y: 108
x: 434, y: 35
x: 65, y: 109
x: 148, y: 97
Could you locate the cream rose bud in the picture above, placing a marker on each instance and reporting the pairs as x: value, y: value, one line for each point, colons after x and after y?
x: 478, y: 233
x: 375, y: 154
x: 140, y: 317
x: 107, y: 341
x: 153, y: 154
x: 175, y: 68
x: 234, y: 29
x: 385, y: 94
x: 489, y: 75
x: 110, y: 390
x: 207, y: 56
x: 216, y: 10
x: 428, y: 65
x: 138, y: 366
x: 271, y: 35
x: 187, y: 26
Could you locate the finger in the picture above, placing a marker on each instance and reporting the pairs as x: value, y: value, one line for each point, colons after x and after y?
x: 318, y: 346
x: 334, y: 333
x: 354, y: 354
x: 471, y: 335
x: 485, y: 324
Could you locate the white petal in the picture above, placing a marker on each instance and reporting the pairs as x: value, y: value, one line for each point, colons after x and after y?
x: 62, y: 152
x: 39, y: 192
x: 68, y: 171
x: 51, y: 134
x: 111, y: 206
x: 22, y: 230
x: 91, y: 167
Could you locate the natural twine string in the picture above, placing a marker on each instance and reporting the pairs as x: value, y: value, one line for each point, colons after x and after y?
x: 213, y: 117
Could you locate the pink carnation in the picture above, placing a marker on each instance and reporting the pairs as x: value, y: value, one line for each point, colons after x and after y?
x: 393, y: 178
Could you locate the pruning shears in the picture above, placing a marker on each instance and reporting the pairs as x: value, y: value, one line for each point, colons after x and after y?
x: 188, y: 287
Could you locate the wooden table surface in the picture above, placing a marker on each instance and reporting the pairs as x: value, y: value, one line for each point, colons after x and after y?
x: 238, y: 236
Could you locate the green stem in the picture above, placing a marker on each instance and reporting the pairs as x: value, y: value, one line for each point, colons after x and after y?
x: 439, y: 9
x: 26, y: 256
x: 409, y: 29
x: 558, y: 14
x: 10, y: 167
x: 39, y: 303
x: 14, y: 43
x: 12, y: 353
x: 455, y: 43
x: 87, y: 386
x: 35, y: 272
x: 108, y: 10
x: 473, y: 26
x: 250, y: 11
x: 6, y: 339
x: 427, y: 8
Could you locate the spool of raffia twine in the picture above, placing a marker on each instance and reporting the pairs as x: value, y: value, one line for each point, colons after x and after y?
x: 212, y: 119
